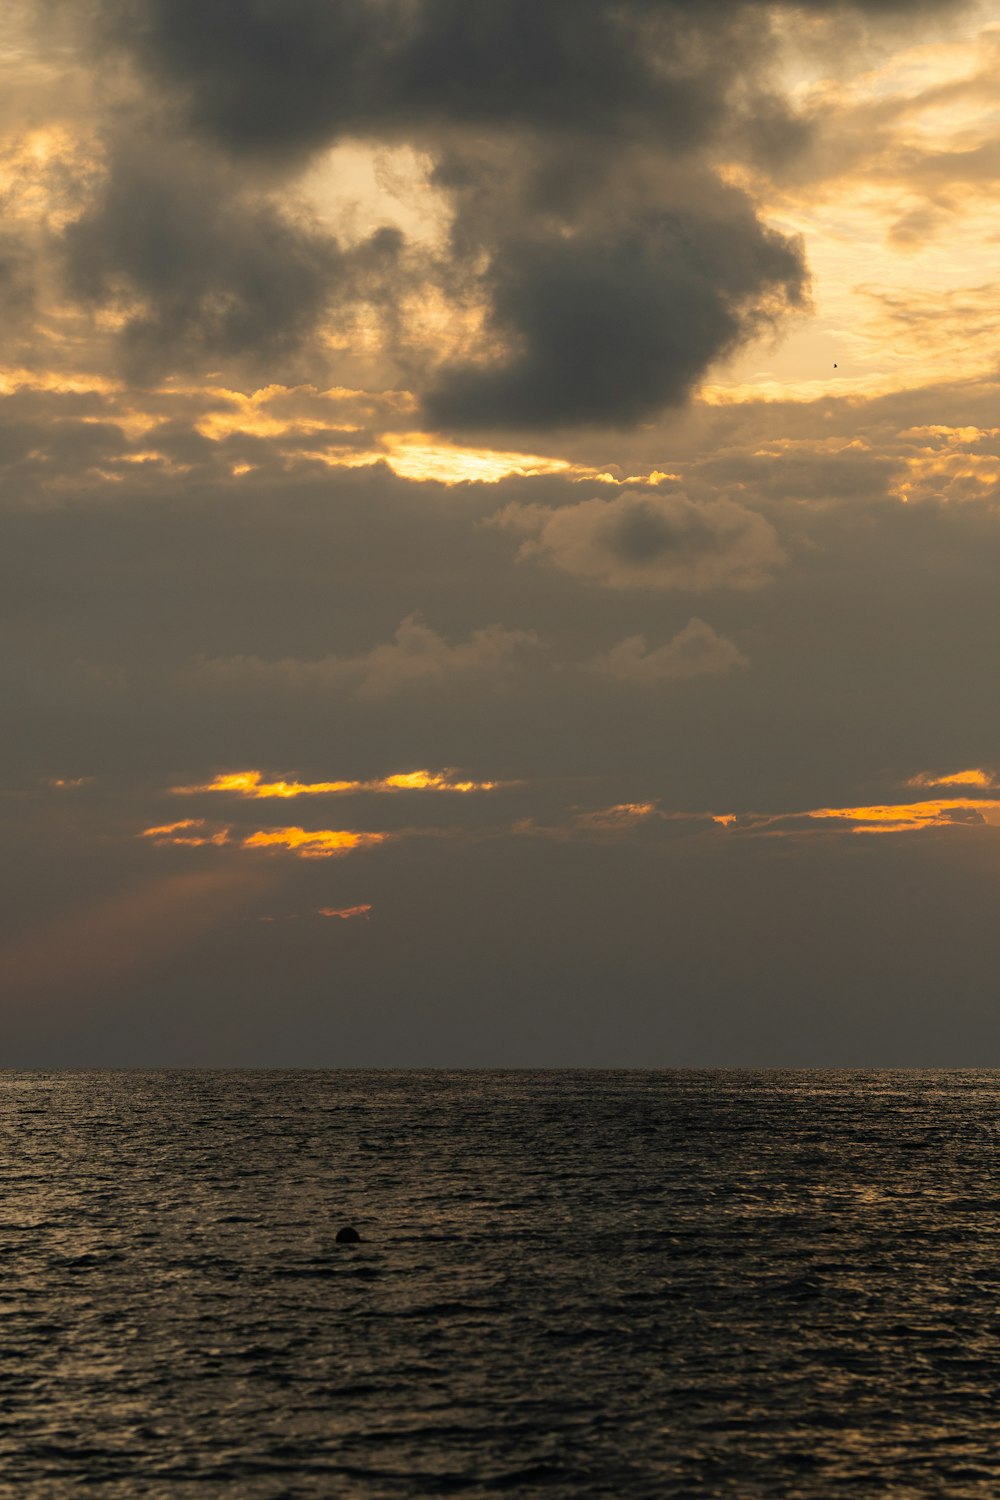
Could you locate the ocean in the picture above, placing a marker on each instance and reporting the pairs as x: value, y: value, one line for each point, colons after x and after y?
x: 568, y: 1284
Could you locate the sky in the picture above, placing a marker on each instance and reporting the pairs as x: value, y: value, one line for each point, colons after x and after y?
x: 501, y: 533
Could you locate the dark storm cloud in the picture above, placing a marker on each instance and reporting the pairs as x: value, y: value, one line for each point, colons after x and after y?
x: 616, y: 321
x: 204, y: 267
x: 607, y: 286
x: 286, y: 76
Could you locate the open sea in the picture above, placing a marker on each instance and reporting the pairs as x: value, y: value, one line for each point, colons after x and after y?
x: 569, y: 1284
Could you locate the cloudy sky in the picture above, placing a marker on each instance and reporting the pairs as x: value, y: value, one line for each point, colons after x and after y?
x: 501, y: 532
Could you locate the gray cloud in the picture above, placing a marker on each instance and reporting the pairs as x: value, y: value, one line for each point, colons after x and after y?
x: 290, y: 75
x: 650, y: 541
x: 695, y: 651
x: 610, y: 264
x: 16, y: 282
x: 287, y: 78
x: 147, y: 532
x: 204, y: 267
x: 616, y: 320
x: 418, y: 658
x: 111, y: 591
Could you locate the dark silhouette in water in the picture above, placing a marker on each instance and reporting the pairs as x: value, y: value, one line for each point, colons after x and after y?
x: 348, y: 1236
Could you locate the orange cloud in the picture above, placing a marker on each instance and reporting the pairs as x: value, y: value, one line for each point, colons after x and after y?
x: 252, y: 784
x: 187, y: 832
x: 319, y: 843
x: 980, y: 778
x: 345, y: 913
x: 889, y: 817
x: 905, y: 816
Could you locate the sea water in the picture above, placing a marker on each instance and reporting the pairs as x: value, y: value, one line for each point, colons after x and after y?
x: 569, y: 1284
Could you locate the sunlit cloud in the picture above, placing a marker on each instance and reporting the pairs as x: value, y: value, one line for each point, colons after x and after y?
x: 949, y: 463
x: 316, y: 843
x: 251, y: 784
x: 191, y: 833
x: 327, y: 425
x: 892, y: 817
x: 43, y: 175
x: 987, y: 780
x: 902, y: 817
x: 418, y: 456
x: 896, y: 203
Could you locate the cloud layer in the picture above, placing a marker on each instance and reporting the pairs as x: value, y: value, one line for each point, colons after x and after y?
x: 556, y: 446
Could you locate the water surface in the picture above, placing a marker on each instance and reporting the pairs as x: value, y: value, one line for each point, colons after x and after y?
x: 570, y: 1284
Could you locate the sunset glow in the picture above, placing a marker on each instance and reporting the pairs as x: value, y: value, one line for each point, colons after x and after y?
x: 985, y: 779
x: 318, y: 843
x: 251, y: 784
x: 902, y: 817
x: 191, y: 833
x: 554, y: 445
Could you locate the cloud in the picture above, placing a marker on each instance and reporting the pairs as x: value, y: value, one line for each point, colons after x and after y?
x: 587, y: 275
x: 198, y: 265
x: 17, y: 290
x: 284, y: 79
x: 417, y: 658
x: 314, y: 843
x: 881, y: 818
x: 695, y: 651
x: 601, y: 824
x: 280, y: 81
x: 597, y: 256
x: 253, y: 785
x: 610, y: 321
x: 986, y: 780
x: 650, y: 541
x: 188, y: 833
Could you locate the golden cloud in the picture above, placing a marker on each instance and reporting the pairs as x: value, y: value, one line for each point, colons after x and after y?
x: 317, y: 843
x: 888, y: 817
x: 976, y: 777
x: 252, y: 784
x: 189, y: 832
